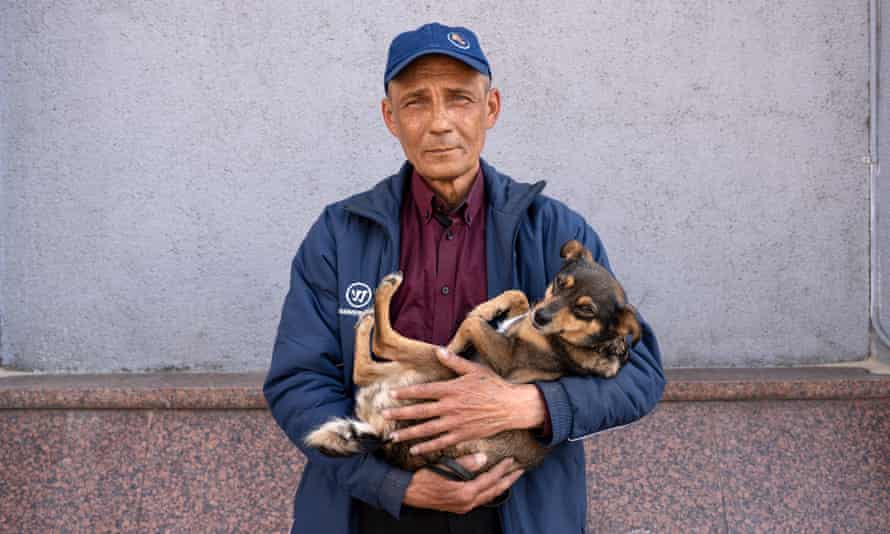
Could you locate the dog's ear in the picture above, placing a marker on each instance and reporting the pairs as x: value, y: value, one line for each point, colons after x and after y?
x: 573, y: 249
x: 628, y: 324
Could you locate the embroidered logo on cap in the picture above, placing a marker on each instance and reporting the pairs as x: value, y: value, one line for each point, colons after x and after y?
x: 457, y: 40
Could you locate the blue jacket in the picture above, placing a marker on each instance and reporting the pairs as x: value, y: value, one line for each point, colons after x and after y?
x: 352, y: 245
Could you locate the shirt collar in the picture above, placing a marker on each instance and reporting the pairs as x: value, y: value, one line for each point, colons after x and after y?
x: 425, y: 199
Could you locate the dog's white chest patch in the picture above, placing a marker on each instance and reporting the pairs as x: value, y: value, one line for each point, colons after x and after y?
x: 504, y: 326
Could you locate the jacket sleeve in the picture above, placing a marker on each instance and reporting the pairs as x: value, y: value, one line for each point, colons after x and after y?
x: 305, y: 386
x: 582, y: 406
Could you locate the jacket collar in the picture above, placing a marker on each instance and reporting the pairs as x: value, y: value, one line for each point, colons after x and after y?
x: 383, y: 202
x: 507, y: 201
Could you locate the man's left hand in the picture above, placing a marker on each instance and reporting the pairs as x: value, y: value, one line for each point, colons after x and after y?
x: 477, y: 404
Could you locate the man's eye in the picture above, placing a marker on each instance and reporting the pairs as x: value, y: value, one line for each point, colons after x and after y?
x: 415, y: 101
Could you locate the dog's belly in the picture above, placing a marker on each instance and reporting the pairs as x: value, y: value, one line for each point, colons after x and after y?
x: 373, y: 399
x: 370, y: 403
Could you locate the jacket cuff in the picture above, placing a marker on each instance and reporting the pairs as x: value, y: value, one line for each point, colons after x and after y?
x: 560, y: 411
x: 392, y: 490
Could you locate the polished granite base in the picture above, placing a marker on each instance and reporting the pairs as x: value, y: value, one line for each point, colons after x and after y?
x: 726, y: 451
x: 769, y: 466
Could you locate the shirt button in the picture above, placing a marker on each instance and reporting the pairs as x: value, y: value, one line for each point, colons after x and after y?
x: 448, y: 235
x: 444, y: 290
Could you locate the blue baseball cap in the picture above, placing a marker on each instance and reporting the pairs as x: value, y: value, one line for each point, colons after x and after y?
x: 457, y: 42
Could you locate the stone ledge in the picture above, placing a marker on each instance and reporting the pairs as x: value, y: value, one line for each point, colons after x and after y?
x: 242, y: 391
x: 786, y: 383
x: 171, y: 391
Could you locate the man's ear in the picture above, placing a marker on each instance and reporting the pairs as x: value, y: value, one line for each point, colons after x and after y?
x: 493, y: 103
x: 573, y: 249
x: 386, y: 109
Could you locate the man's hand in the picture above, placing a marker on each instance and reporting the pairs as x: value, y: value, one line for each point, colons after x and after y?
x: 429, y: 490
x: 477, y: 404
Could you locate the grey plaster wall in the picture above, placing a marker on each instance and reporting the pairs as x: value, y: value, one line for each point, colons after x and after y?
x: 162, y: 161
x: 881, y: 228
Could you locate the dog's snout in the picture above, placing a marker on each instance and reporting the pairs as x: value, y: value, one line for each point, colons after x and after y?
x: 542, y: 318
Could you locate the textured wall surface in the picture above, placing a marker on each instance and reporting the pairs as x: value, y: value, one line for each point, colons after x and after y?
x: 882, y: 199
x: 162, y: 161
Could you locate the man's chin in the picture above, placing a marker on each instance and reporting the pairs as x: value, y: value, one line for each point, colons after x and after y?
x: 443, y: 171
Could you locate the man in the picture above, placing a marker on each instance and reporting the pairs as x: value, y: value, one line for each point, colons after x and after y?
x: 462, y: 233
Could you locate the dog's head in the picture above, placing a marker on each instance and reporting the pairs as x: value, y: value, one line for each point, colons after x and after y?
x: 586, y: 307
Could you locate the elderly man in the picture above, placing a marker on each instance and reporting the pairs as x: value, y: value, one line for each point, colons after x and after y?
x: 462, y: 233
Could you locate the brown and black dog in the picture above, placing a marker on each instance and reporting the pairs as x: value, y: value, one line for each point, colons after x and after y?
x: 579, y: 328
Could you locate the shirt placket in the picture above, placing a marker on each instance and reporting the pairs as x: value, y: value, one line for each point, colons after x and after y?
x: 446, y: 274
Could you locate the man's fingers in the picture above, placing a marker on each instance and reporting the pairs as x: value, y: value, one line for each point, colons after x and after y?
x: 501, y: 486
x: 457, y: 364
x: 425, y: 410
x: 486, y: 486
x: 428, y: 391
x: 491, y: 477
x: 434, y: 445
x: 423, y: 430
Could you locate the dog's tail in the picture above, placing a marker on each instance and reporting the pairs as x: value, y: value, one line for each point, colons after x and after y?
x: 344, y: 437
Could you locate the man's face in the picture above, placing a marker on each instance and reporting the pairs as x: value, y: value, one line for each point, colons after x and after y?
x: 439, y: 109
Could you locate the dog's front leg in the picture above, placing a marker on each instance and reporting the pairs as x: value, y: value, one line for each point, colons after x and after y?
x: 512, y: 302
x: 494, y: 348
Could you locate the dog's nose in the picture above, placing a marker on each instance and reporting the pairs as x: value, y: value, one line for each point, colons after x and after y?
x: 542, y: 319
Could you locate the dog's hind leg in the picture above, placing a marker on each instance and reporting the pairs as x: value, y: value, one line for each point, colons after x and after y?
x: 365, y: 370
x: 390, y: 344
x: 343, y: 436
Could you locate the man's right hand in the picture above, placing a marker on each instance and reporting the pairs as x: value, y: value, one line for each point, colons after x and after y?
x: 429, y: 490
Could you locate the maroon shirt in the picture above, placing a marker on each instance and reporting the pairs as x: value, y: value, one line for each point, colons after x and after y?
x: 444, y: 268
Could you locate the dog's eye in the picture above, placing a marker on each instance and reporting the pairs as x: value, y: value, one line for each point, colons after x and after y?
x: 586, y: 309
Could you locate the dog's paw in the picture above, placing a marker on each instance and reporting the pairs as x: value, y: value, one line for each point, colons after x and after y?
x: 342, y: 437
x: 366, y: 315
x: 393, y: 279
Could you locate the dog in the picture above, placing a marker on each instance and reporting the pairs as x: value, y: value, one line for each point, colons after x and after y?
x: 579, y: 328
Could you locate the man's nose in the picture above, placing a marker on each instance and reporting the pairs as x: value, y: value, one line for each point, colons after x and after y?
x: 441, y: 121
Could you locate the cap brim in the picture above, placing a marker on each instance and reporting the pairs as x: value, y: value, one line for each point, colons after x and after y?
x: 472, y: 62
